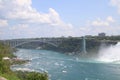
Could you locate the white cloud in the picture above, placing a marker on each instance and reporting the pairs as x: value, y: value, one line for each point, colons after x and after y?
x: 23, y: 2
x: 26, y: 20
x: 3, y: 23
x: 116, y: 3
x: 110, y: 19
x: 22, y: 10
x: 100, y: 22
x: 22, y: 20
x: 19, y: 26
x: 108, y: 25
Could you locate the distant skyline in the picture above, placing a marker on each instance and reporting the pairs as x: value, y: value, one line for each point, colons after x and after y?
x: 56, y: 18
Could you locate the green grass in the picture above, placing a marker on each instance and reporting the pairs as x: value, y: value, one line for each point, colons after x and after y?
x: 32, y: 75
x: 11, y: 76
x: 5, y: 71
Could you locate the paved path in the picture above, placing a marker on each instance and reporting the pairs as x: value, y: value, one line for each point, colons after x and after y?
x: 2, y: 78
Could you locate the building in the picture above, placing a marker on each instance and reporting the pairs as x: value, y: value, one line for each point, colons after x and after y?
x: 101, y: 34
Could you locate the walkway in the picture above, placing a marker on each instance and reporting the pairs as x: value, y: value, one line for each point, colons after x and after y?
x: 2, y: 78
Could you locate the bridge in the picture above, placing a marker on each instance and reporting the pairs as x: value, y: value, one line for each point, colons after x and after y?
x: 13, y: 43
x: 18, y: 42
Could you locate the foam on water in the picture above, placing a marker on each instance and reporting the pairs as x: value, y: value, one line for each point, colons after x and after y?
x: 110, y: 54
x: 24, y: 69
x: 63, y: 67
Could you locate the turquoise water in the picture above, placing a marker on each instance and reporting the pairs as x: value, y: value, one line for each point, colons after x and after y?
x: 63, y: 67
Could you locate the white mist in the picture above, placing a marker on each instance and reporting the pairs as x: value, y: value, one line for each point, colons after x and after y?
x: 110, y: 54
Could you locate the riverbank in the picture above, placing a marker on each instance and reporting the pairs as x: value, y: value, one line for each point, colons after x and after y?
x: 7, y: 59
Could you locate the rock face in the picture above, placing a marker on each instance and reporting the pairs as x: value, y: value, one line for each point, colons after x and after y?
x: 2, y: 78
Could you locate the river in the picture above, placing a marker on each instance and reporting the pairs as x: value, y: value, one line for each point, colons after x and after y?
x: 64, y: 67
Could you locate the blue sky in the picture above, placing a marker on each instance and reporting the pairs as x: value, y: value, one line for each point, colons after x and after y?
x: 77, y: 11
x: 55, y: 18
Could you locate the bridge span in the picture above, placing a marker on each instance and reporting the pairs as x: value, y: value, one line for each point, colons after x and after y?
x: 17, y: 42
x: 13, y: 43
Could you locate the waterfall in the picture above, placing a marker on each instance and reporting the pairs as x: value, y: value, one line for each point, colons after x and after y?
x: 110, y: 54
x: 84, y: 45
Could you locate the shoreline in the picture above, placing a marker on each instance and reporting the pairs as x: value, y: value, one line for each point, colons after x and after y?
x: 8, y: 58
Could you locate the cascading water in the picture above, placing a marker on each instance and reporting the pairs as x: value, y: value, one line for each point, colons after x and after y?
x: 110, y: 54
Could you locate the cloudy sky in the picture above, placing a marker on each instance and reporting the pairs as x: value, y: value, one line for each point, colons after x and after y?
x: 55, y: 18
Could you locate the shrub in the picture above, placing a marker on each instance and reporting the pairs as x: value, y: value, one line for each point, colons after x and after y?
x: 32, y: 75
